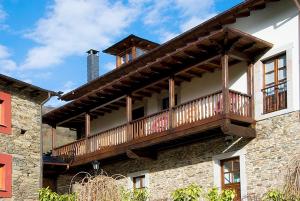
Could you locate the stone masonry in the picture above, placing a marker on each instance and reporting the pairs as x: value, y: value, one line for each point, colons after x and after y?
x: 267, y: 157
x: 24, y: 148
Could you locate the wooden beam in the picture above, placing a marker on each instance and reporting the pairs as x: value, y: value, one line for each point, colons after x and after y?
x: 236, y: 130
x: 129, y: 116
x: 250, y: 87
x: 53, y: 135
x: 171, y: 100
x: 87, y: 125
x: 134, y: 154
x: 239, y: 55
x: 225, y: 84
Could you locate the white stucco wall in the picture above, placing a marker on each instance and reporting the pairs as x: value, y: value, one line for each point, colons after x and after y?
x: 278, y: 24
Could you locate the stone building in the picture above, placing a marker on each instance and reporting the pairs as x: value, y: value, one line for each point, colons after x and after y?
x: 217, y: 106
x: 20, y: 139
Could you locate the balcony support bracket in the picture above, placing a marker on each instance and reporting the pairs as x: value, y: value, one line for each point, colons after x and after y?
x: 236, y: 130
x: 134, y: 154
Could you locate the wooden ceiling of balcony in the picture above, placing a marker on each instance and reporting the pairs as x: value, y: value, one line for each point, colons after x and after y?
x: 192, y: 59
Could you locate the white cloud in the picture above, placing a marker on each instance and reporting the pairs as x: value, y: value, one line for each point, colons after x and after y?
x: 3, y: 14
x: 73, y: 26
x: 7, y: 65
x: 177, y: 15
x: 109, y: 66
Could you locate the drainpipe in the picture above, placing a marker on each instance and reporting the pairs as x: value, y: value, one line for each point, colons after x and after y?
x: 297, y: 3
x: 50, y: 95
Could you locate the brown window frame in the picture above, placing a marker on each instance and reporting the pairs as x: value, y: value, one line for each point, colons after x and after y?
x: 142, y: 178
x: 275, y: 94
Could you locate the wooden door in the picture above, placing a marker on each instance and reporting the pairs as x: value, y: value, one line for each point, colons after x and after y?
x: 230, y: 172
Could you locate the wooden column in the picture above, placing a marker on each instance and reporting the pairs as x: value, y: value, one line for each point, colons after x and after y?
x: 171, y: 100
x: 250, y: 87
x: 87, y: 131
x: 225, y: 85
x: 53, y: 132
x: 129, y: 116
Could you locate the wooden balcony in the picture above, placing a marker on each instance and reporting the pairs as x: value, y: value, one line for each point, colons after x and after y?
x: 196, y: 116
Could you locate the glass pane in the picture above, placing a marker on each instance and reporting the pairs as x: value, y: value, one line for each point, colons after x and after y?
x: 269, y: 66
x: 139, y: 52
x: 236, y: 165
x: 123, y: 59
x: 143, y: 182
x: 129, y: 56
x: 236, y: 177
x: 281, y: 61
x: 227, y: 178
x: 282, y: 74
x: 269, y: 78
x: 227, y: 166
x: 1, y: 177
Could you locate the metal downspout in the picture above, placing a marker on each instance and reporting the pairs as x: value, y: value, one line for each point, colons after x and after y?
x: 50, y: 95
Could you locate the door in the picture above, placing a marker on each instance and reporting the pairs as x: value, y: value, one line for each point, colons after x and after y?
x: 230, y: 172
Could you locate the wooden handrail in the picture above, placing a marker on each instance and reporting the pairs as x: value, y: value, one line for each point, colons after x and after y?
x: 188, y: 112
x: 274, y: 86
x: 70, y: 143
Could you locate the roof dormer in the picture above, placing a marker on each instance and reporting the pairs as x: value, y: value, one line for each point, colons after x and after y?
x: 130, y: 48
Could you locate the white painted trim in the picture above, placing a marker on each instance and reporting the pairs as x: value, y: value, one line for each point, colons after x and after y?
x: 136, y: 174
x: 217, y: 169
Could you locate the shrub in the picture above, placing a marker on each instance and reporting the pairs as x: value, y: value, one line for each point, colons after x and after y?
x: 191, y: 193
x: 225, y: 195
x: 45, y: 194
x: 135, y: 195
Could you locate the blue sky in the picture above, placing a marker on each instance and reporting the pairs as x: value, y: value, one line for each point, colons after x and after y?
x: 44, y: 41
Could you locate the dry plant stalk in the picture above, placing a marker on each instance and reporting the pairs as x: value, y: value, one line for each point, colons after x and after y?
x: 292, y: 183
x: 99, y: 188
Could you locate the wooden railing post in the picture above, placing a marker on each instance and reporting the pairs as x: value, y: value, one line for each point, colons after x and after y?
x: 171, y: 100
x: 225, y: 85
x: 87, y: 131
x: 250, y: 88
x: 129, y: 116
x: 53, y: 132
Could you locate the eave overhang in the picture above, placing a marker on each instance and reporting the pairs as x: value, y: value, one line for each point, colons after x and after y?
x: 240, y: 46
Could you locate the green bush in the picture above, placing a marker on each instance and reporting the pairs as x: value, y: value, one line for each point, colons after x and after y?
x: 191, y: 193
x: 45, y: 194
x: 135, y: 195
x: 225, y: 195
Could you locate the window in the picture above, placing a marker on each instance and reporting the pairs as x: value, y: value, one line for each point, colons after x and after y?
x: 5, y: 113
x: 139, y: 52
x: 138, y: 113
x: 275, y: 84
x: 165, y: 102
x: 139, y: 182
x: 5, y: 175
x: 230, y: 172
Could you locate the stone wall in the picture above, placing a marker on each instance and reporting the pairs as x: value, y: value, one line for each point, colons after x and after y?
x: 24, y: 148
x: 267, y: 156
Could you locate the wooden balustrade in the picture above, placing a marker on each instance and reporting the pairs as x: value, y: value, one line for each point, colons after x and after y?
x: 275, y: 97
x: 76, y: 148
x: 198, y: 109
x: 240, y: 104
x: 108, y: 138
x: 195, y: 110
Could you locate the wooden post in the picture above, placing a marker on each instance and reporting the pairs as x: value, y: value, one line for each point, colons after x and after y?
x: 87, y: 131
x: 225, y: 85
x: 53, y: 132
x: 171, y: 100
x: 250, y: 87
x: 129, y: 116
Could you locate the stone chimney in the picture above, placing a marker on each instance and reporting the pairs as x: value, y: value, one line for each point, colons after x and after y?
x: 92, y: 65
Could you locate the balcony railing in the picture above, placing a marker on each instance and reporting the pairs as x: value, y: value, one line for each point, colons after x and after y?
x: 193, y: 111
